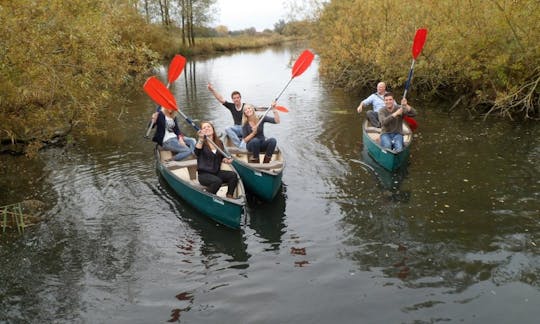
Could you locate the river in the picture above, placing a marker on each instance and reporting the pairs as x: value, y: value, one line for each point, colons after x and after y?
x: 451, y: 238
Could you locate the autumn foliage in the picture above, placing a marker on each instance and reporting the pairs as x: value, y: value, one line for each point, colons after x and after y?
x: 485, y: 54
x: 61, y: 62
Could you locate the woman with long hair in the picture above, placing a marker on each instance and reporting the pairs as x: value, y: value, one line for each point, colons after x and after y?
x: 209, y: 160
x: 253, y: 130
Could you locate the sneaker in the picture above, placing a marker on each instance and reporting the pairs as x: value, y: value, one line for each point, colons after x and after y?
x: 243, y: 145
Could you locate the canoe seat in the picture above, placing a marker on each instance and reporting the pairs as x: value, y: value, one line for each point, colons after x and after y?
x: 375, y: 136
x: 371, y: 129
x: 270, y: 165
x: 222, y: 191
x: 164, y: 155
x: 180, y: 164
x: 236, y: 150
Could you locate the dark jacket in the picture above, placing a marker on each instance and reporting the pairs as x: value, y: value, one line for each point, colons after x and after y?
x: 207, y: 161
x: 246, y: 128
x: 161, y: 126
x: 391, y: 124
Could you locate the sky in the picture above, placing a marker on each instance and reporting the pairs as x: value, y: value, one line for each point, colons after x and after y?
x: 243, y: 14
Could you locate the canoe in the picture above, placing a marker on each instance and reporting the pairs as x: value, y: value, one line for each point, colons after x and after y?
x: 182, y: 177
x: 389, y: 159
x: 261, y: 179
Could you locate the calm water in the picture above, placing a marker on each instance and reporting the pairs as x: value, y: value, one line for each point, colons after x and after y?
x: 453, y: 238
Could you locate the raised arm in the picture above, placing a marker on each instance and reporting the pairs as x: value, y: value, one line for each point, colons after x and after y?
x: 360, y: 106
x: 216, y: 95
x: 408, y: 110
x: 276, y: 114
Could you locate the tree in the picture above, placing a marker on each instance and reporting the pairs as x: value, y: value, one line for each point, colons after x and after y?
x: 63, y: 63
x: 481, y: 51
x: 279, y: 26
x: 222, y: 30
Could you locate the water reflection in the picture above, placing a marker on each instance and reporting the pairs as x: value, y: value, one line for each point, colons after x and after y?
x: 216, y: 239
x: 390, y: 182
x: 266, y: 218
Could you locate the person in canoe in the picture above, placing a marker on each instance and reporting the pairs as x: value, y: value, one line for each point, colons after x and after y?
x: 253, y: 132
x: 209, y: 160
x: 236, y: 108
x: 376, y: 100
x: 169, y: 136
x: 391, y: 118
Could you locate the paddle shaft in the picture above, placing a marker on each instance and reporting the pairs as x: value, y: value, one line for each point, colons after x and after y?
x: 408, y: 83
x: 300, y: 65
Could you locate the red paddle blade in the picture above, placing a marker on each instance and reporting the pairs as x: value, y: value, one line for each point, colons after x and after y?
x: 419, y: 40
x: 282, y: 109
x: 176, y: 67
x: 302, y: 63
x: 159, y: 93
x: 411, y: 121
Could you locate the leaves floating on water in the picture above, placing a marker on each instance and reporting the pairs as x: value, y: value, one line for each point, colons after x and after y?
x: 298, y: 251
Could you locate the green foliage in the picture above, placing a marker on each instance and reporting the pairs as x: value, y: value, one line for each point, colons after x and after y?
x: 63, y: 62
x: 483, y: 49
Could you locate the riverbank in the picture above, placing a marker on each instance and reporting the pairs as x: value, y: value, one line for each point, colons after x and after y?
x: 484, y: 53
x: 212, y: 45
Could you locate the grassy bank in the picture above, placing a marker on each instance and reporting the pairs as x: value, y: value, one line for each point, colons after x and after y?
x: 210, y: 45
x: 485, y: 53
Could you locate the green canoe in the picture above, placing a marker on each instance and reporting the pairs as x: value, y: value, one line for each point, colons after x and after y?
x: 261, y: 179
x: 388, y: 159
x: 182, y: 178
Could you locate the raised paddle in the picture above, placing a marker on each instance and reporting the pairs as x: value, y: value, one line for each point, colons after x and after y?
x: 159, y: 93
x: 418, y: 44
x: 163, y: 97
x: 175, y: 69
x: 301, y: 65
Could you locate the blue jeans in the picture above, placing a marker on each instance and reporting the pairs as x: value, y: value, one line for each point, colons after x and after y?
x: 256, y: 146
x: 182, y: 151
x: 392, y: 141
x: 235, y: 134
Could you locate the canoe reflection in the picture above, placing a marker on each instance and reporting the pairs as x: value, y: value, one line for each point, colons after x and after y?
x: 214, y: 238
x: 266, y: 218
x: 389, y: 181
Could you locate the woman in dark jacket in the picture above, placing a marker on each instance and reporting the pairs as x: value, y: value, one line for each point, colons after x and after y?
x: 169, y: 136
x: 209, y: 160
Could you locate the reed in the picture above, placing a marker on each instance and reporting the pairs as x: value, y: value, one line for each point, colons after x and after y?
x: 12, y: 216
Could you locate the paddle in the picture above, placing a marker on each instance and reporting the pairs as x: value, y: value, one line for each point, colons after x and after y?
x: 159, y: 93
x: 175, y: 69
x: 301, y: 65
x: 418, y: 44
x: 163, y: 97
